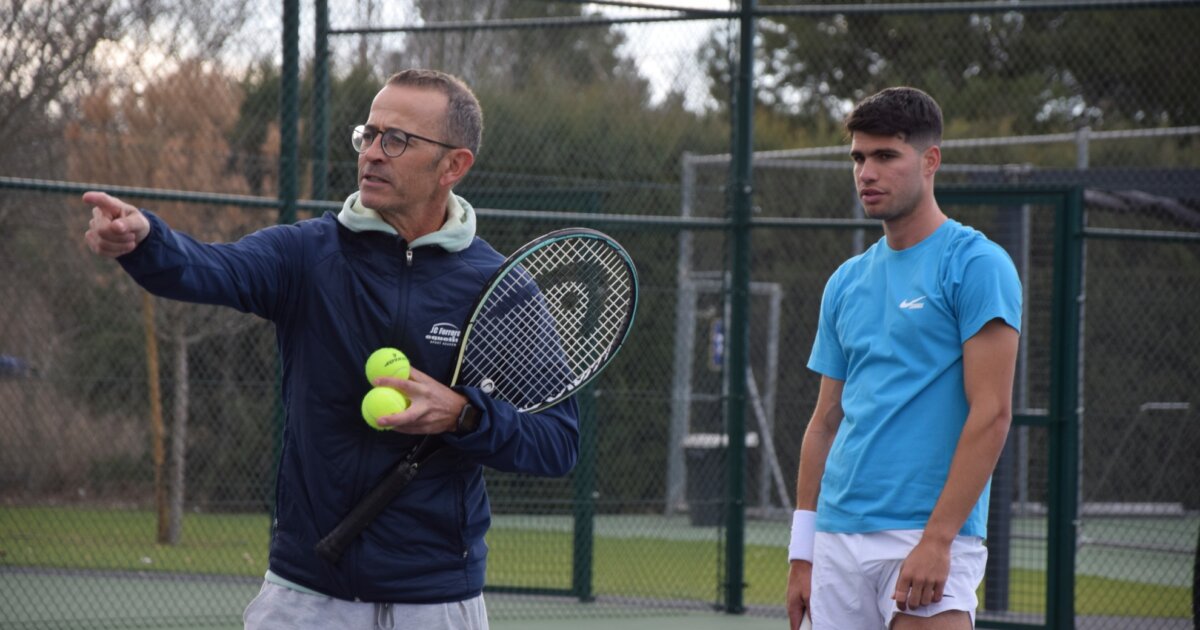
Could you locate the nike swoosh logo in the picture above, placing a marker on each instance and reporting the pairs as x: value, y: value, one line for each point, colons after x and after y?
x: 914, y: 303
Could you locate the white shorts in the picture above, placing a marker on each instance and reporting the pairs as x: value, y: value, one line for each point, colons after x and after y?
x: 280, y: 608
x: 854, y: 577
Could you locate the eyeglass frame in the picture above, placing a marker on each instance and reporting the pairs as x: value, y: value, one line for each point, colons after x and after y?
x: 360, y: 131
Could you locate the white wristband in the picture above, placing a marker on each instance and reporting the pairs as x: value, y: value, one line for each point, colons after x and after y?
x: 804, y: 530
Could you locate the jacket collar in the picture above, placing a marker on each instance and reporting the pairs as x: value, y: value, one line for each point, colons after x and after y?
x: 455, y: 234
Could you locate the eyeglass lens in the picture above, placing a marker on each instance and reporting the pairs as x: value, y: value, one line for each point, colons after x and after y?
x: 393, y: 143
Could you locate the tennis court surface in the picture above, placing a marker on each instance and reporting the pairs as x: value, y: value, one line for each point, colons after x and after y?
x: 81, y: 600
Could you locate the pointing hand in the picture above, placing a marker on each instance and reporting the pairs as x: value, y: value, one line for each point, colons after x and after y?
x: 116, y: 227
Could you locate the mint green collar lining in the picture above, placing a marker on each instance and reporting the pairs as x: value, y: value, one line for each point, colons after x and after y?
x: 275, y: 579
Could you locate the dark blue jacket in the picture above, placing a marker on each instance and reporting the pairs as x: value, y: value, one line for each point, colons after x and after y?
x: 334, y: 296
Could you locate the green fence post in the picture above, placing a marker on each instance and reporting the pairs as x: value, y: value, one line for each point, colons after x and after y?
x: 288, y: 125
x: 738, y: 335
x: 585, y: 498
x: 289, y: 112
x: 320, y: 106
x: 1064, y: 436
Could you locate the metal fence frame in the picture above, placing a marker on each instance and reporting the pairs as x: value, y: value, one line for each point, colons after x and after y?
x: 1060, y: 420
x: 1070, y: 234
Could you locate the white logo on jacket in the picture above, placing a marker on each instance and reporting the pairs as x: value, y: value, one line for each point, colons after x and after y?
x: 444, y: 334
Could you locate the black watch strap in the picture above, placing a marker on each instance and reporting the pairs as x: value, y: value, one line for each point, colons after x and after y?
x: 468, y: 419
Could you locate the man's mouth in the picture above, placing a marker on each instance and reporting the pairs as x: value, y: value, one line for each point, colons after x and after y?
x: 368, y: 178
x: 871, y: 195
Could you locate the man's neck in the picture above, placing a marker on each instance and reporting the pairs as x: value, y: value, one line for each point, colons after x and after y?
x: 427, y: 220
x: 914, y: 227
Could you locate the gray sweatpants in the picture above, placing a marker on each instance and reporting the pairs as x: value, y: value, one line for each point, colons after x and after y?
x: 280, y: 608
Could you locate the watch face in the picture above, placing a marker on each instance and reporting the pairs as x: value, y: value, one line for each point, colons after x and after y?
x: 468, y: 419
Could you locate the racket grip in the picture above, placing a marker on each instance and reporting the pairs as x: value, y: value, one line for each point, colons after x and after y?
x: 333, y: 545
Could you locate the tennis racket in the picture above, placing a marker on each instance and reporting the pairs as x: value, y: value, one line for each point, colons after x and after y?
x: 550, y: 319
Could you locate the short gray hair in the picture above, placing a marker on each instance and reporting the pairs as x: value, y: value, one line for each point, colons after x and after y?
x: 464, y: 116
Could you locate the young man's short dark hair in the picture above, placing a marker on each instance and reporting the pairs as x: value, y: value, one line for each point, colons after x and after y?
x: 904, y: 111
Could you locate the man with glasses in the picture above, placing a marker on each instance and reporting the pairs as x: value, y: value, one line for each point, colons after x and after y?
x: 399, y: 266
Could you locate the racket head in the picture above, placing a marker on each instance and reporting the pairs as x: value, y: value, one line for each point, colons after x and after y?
x: 550, y: 319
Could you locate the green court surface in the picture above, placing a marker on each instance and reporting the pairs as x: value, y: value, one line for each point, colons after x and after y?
x: 96, y: 598
x: 50, y: 599
x: 693, y: 621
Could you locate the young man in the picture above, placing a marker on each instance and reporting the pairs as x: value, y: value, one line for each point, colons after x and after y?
x: 398, y: 261
x: 916, y: 347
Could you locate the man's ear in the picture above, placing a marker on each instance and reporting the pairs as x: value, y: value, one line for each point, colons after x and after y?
x: 455, y: 165
x: 931, y: 159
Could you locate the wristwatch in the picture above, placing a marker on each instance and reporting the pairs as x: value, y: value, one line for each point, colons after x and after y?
x: 468, y: 419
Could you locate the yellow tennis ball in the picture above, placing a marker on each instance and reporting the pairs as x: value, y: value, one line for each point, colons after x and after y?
x: 387, y: 362
x: 382, y: 401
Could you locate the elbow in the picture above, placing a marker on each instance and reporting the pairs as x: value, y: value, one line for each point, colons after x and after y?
x: 997, y: 423
x: 564, y: 464
x: 567, y: 464
x: 552, y: 456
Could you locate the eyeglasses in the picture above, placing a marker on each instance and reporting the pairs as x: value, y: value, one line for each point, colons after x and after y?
x: 394, y: 141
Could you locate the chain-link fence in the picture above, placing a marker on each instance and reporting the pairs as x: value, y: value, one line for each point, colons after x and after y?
x: 137, y: 468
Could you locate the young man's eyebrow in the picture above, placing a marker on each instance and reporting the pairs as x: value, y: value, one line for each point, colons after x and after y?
x: 880, y: 151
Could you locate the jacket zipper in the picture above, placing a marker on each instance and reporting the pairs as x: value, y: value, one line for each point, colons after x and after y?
x: 401, y: 323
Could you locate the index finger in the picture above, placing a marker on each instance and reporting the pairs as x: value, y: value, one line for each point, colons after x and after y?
x: 106, y: 203
x: 402, y: 385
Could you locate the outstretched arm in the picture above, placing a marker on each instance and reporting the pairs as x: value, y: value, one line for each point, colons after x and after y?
x: 989, y: 361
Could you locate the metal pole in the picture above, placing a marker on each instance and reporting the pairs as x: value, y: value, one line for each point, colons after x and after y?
x: 685, y: 331
x: 584, y: 482
x: 320, y: 110
x: 288, y: 124
x: 739, y: 282
x: 1064, y: 426
x: 289, y: 109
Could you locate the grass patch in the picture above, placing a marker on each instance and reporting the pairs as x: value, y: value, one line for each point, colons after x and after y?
x: 654, y: 568
x: 120, y: 540
x: 236, y: 544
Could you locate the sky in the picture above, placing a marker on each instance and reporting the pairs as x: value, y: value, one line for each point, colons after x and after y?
x: 666, y: 52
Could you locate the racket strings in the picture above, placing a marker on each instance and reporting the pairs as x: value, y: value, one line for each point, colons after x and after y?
x: 514, y: 352
x: 550, y: 322
x: 588, y: 330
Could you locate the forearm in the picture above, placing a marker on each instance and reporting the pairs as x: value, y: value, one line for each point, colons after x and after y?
x: 989, y: 360
x: 814, y: 451
x: 818, y: 441
x: 975, y: 458
x: 544, y: 443
x: 174, y: 265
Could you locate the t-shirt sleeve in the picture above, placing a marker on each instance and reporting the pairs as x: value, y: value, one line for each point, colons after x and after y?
x: 988, y: 289
x: 827, y: 356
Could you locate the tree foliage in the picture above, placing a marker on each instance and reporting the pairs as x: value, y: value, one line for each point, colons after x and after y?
x: 45, y: 53
x: 517, y: 57
x: 171, y: 134
x: 1041, y: 70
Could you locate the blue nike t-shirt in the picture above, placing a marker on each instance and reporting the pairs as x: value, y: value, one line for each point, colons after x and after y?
x: 892, y: 326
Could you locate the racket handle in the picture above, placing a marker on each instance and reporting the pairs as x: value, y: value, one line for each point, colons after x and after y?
x: 333, y: 545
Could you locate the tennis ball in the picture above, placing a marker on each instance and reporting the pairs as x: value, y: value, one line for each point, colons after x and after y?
x: 382, y: 401
x: 387, y: 362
